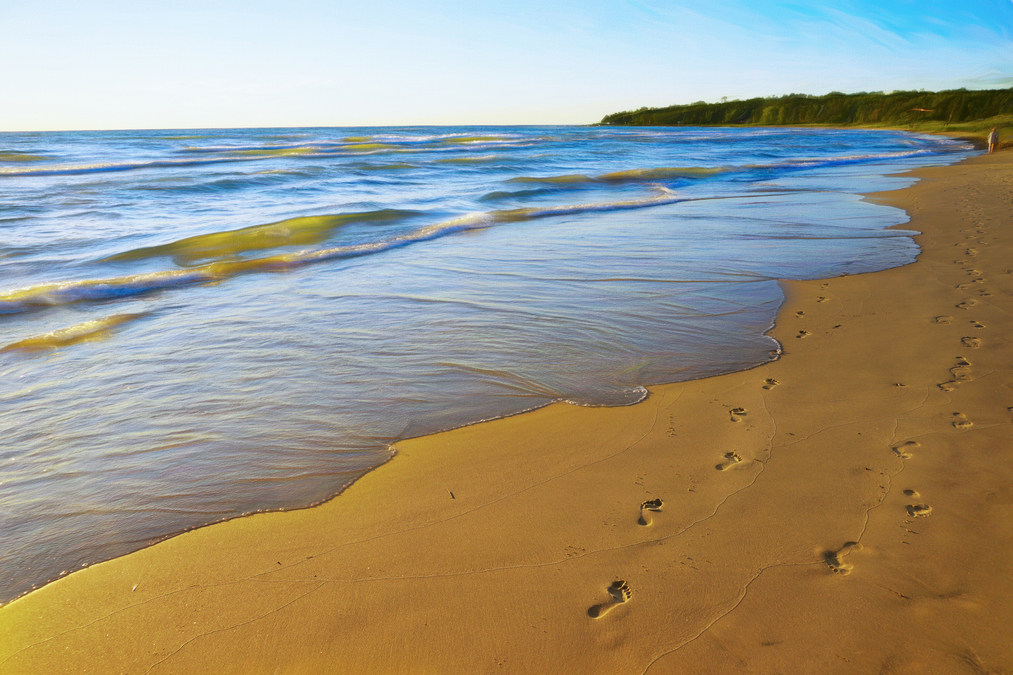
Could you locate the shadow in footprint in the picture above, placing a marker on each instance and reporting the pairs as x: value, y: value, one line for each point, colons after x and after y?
x: 770, y: 383
x: 646, y: 508
x: 731, y: 459
x: 835, y: 559
x: 620, y: 592
x: 904, y: 449
x: 960, y: 421
x: 962, y: 370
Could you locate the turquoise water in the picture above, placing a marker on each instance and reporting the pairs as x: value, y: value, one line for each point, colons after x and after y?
x: 200, y: 324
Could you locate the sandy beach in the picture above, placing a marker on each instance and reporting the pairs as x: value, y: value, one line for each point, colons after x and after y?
x: 847, y: 508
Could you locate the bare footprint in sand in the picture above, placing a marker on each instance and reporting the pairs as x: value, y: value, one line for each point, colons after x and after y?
x: 967, y: 304
x: 731, y: 459
x: 620, y: 592
x: 977, y: 324
x: 904, y: 449
x: 944, y: 319
x: 918, y: 510
x: 948, y: 386
x: 802, y: 334
x: 835, y: 559
x: 971, y: 342
x: 770, y: 383
x: 646, y: 508
x: 960, y: 421
x: 737, y: 414
x: 821, y: 298
x: 962, y: 370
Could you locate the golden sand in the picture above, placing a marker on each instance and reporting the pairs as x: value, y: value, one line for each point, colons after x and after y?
x: 846, y: 509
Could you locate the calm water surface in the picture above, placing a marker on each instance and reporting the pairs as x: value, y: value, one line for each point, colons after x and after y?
x: 200, y: 324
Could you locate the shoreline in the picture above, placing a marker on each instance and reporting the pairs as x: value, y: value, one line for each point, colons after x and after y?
x: 511, y: 554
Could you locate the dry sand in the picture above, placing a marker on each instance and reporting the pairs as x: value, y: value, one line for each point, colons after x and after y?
x: 846, y: 509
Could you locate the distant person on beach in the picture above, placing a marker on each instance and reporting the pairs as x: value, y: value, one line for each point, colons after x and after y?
x: 993, y: 140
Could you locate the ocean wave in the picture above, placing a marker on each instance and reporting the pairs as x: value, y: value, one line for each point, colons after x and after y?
x: 95, y: 329
x: 214, y: 154
x: 14, y: 156
x: 476, y: 159
x: 648, y: 175
x: 841, y: 160
x: 290, y: 232
x: 61, y: 293
x: 103, y: 167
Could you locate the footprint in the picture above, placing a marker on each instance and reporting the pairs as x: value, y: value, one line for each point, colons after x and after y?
x: 962, y: 371
x: 834, y: 559
x: 977, y: 324
x: 802, y: 334
x: 821, y: 299
x: 960, y: 421
x: 904, y: 449
x: 731, y: 459
x: 620, y: 592
x: 770, y: 383
x: 948, y: 386
x: 944, y: 319
x: 971, y: 342
x: 800, y: 313
x: 912, y: 493
x: 918, y: 510
x: 967, y: 304
x: 650, y: 505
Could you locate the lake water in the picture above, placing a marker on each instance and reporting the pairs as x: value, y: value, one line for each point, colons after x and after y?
x: 199, y: 324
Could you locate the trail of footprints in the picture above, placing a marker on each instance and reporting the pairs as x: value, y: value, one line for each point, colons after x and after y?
x: 960, y: 372
x: 802, y: 334
x: 620, y: 591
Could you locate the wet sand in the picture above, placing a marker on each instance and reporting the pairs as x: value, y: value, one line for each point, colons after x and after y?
x: 846, y: 509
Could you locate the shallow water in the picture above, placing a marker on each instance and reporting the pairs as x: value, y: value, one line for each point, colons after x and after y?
x: 199, y: 324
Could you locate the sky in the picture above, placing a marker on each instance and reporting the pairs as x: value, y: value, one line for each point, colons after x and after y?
x: 147, y: 64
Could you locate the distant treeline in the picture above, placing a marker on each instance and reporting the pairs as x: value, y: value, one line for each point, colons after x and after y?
x: 899, y: 108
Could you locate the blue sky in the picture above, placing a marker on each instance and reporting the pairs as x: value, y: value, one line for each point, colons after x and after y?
x: 117, y: 64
